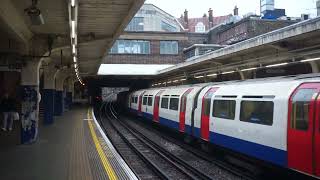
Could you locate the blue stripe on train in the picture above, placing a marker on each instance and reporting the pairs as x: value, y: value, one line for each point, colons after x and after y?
x: 169, y: 123
x: 259, y: 151
x: 147, y: 115
x: 196, y: 131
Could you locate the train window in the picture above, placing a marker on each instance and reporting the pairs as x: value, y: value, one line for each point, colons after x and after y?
x: 136, y: 99
x: 259, y: 112
x: 300, y: 109
x: 150, y: 101
x: 144, y: 100
x: 132, y: 99
x: 224, y: 109
x: 174, y: 103
x: 164, y: 102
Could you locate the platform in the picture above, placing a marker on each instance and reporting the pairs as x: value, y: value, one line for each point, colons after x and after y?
x: 73, y: 148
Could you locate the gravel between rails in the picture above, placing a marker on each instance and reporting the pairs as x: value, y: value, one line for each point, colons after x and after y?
x: 205, y: 166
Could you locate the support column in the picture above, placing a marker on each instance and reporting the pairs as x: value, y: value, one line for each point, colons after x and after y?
x: 30, y: 101
x: 314, y: 66
x: 50, y: 73
x: 242, y: 77
x: 70, y: 91
x: 59, y: 99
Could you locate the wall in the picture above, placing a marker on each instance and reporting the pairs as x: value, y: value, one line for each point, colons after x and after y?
x: 244, y: 29
x: 184, y: 40
x: 152, y: 17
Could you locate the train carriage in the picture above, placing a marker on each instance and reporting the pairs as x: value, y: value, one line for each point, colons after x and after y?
x: 135, y: 100
x: 147, y: 107
x: 276, y: 120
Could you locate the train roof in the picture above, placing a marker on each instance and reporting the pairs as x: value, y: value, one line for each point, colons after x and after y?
x: 280, y: 79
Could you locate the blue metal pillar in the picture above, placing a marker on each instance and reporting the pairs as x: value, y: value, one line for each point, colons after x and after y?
x: 58, y: 103
x: 48, y: 102
x: 29, y: 111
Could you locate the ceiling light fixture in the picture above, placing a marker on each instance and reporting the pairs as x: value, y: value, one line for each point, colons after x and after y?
x: 276, y: 65
x: 73, y: 49
x: 248, y: 69
x: 312, y: 59
x: 73, y: 29
x: 228, y: 72
x: 210, y: 75
x: 73, y: 3
x: 198, y: 77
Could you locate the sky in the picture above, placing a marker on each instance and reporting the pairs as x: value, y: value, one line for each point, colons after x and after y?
x: 196, y: 8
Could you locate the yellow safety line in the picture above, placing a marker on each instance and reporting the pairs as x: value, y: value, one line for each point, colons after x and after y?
x: 107, y: 167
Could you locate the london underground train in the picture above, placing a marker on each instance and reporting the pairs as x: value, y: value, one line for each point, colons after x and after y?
x: 276, y: 120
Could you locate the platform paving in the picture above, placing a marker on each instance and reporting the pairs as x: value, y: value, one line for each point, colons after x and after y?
x: 63, y: 151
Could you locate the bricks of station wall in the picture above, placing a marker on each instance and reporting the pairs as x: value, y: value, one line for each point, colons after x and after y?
x: 244, y: 29
x: 155, y: 57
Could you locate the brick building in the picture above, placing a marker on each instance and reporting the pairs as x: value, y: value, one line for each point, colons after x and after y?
x: 152, y: 47
x: 246, y: 28
x: 153, y: 37
x: 156, y: 37
x: 201, y: 24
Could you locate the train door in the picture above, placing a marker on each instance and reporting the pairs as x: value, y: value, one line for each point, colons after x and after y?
x: 182, y: 115
x: 205, y: 113
x: 303, y: 129
x: 156, y: 106
x: 140, y: 103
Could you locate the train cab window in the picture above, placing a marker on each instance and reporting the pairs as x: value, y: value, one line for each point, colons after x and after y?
x: 174, y: 103
x: 300, y: 109
x: 259, y: 112
x: 164, y: 102
x: 150, y: 101
x: 144, y: 100
x: 224, y: 109
x: 136, y: 99
x: 132, y: 99
x: 207, y: 103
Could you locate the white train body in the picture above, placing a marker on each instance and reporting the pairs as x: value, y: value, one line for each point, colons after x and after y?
x: 250, y: 117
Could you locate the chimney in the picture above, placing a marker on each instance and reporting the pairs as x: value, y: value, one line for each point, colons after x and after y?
x: 186, y: 18
x: 210, y: 18
x: 318, y: 8
x: 236, y: 11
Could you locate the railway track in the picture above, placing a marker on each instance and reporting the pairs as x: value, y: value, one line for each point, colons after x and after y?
x: 237, y: 171
x: 162, y: 162
x: 140, y: 167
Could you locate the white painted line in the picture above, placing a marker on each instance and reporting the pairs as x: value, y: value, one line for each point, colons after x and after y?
x: 122, y: 163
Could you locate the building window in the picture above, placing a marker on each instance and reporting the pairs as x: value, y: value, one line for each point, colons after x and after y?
x: 168, y: 47
x: 131, y: 47
x: 167, y: 27
x: 259, y: 112
x: 174, y: 103
x: 224, y: 109
x: 136, y: 24
x: 164, y: 102
x: 200, y: 28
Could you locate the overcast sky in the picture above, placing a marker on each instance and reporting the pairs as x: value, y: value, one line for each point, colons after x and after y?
x: 197, y: 8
